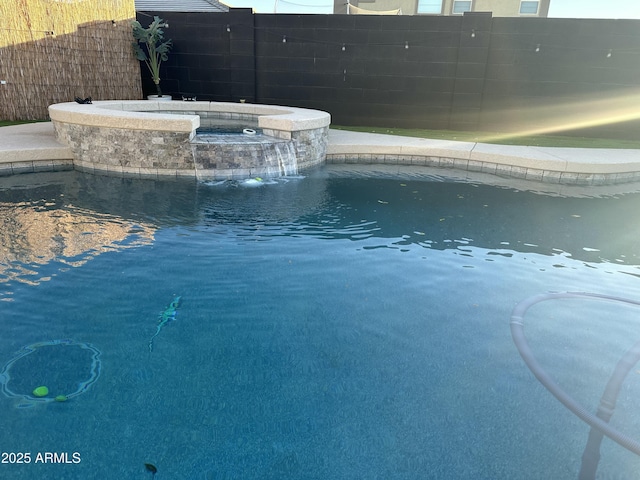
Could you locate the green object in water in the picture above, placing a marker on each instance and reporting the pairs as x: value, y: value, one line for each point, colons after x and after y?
x: 41, y: 391
x: 167, y: 316
x: 61, y: 398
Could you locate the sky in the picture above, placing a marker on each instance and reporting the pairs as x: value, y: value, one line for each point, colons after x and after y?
x: 558, y: 8
x: 595, y: 8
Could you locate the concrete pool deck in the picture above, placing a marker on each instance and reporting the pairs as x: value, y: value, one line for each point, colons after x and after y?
x: 33, y: 148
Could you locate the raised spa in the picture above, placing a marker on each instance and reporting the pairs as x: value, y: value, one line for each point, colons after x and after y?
x: 153, y: 138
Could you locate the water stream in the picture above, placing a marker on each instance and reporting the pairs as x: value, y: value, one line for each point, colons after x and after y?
x: 281, y: 159
x: 245, y: 155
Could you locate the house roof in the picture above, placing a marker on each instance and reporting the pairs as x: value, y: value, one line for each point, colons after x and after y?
x: 180, y: 6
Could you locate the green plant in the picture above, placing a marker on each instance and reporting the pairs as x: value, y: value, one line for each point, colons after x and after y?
x: 151, y: 48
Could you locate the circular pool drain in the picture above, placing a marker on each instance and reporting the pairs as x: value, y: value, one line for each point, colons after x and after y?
x: 57, y: 370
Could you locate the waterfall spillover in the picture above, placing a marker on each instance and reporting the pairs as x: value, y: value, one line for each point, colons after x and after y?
x: 287, y: 158
x: 280, y: 159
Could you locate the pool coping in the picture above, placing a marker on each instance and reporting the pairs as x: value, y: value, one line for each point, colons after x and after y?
x: 582, y: 166
x: 150, y: 115
x: 33, y: 148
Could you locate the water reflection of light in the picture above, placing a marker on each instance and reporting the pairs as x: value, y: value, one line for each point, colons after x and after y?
x: 33, y: 235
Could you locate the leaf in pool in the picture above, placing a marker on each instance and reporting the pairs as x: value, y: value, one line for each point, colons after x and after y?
x: 151, y: 468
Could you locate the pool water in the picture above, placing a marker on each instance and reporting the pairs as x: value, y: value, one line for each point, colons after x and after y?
x: 236, y: 129
x: 222, y: 126
x: 333, y: 326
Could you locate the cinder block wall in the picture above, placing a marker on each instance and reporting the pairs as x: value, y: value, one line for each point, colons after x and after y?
x: 51, y: 52
x: 579, y: 73
x: 213, y: 55
x: 463, y: 72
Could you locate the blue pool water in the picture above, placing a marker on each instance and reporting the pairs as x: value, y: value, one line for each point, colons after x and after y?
x: 336, y: 326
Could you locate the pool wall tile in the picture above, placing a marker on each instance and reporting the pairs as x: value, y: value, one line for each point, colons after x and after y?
x: 432, y: 161
x: 535, y: 174
x: 585, y: 179
x: 5, y: 170
x: 245, y: 173
x: 131, y: 171
x: 461, y: 163
x: 504, y: 170
x: 22, y: 167
x: 519, y: 172
x: 475, y: 166
x: 42, y: 166
x: 184, y: 173
x: 62, y: 165
x: 489, y: 168
x: 623, y: 177
x: 35, y: 166
x: 626, y: 177
x: 551, y: 176
x: 84, y: 166
x: 116, y: 170
x: 599, y: 179
x: 569, y: 178
x: 148, y: 172
x: 222, y: 174
x: 446, y: 163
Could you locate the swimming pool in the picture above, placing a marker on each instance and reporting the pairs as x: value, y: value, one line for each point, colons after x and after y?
x: 342, y: 325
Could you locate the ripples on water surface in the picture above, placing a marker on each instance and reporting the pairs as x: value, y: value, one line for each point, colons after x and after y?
x: 329, y: 327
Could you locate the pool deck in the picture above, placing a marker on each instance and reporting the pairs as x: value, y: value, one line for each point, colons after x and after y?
x: 33, y: 148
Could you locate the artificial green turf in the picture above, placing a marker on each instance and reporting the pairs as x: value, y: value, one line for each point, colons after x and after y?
x: 7, y: 123
x: 500, y: 139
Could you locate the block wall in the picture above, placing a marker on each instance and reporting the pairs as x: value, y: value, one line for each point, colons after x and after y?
x: 471, y: 72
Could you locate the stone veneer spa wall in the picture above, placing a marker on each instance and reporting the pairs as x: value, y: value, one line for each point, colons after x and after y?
x: 159, y: 138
